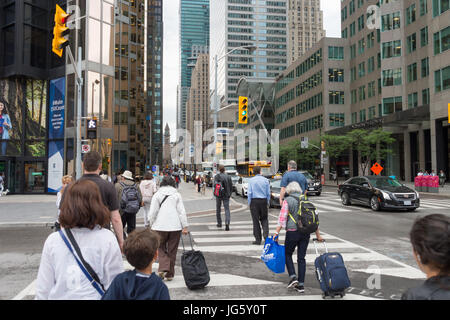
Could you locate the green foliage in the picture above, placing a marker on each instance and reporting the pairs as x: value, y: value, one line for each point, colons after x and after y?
x: 305, y: 158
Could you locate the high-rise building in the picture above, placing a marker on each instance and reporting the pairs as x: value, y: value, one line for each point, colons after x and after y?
x: 197, y: 105
x: 248, y: 22
x: 305, y: 26
x: 194, y: 40
x: 167, y: 158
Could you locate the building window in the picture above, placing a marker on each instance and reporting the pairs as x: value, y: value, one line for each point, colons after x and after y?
x: 426, y: 96
x: 392, y: 49
x: 442, y: 40
x: 390, y: 21
x: 352, y: 51
x: 412, y: 72
x: 412, y: 100
x: 411, y: 14
x: 362, y: 93
x: 362, y: 115
x: 424, y: 37
x: 337, y: 119
x: 440, y: 6
x: 361, y: 46
x: 371, y: 65
x: 411, y: 43
x: 354, y: 117
x: 362, y: 69
x: 442, y: 79
x: 392, y: 77
x: 336, y: 97
x: 372, y: 112
x: 354, y: 96
x: 423, y: 7
x: 336, y: 75
x: 352, y: 29
x: 391, y: 105
x: 336, y: 53
x: 371, y: 89
x: 425, y: 70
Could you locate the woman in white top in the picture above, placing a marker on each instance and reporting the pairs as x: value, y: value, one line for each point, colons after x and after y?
x: 59, y: 276
x: 168, y: 217
x: 148, y: 189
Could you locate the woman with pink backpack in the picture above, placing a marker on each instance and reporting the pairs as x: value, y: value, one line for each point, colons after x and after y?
x: 148, y: 189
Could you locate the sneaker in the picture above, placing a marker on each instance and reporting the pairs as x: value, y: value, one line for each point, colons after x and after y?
x: 219, y: 225
x: 299, y: 288
x: 169, y: 278
x: 292, y: 283
x: 256, y: 242
x: 227, y: 227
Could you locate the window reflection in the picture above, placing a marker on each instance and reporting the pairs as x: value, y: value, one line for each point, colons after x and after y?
x: 93, y: 94
x: 108, y: 13
x: 94, y: 40
x: 108, y: 41
x: 95, y: 9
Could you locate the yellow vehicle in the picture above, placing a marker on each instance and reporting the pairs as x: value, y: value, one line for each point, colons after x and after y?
x: 245, y: 168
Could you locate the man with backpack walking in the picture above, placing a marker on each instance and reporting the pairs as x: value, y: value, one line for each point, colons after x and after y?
x: 130, y: 200
x: 290, y: 176
x: 222, y: 189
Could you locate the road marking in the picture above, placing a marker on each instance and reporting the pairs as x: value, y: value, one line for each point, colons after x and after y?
x: 348, y: 257
x: 231, y: 225
x: 309, y: 297
x: 410, y: 273
x: 29, y: 290
x: 253, y: 248
x: 322, y: 207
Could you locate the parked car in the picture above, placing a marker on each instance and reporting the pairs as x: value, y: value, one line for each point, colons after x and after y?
x: 378, y: 192
x: 314, y: 185
x: 275, y: 188
x: 242, y: 186
x: 234, y: 180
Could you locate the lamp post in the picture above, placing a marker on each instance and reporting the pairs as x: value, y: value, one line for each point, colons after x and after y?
x: 250, y: 48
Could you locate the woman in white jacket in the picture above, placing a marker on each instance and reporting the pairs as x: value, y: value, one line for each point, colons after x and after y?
x: 168, y: 217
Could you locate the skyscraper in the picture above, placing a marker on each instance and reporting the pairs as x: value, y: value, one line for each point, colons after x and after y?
x: 305, y: 27
x: 194, y: 40
x: 251, y: 22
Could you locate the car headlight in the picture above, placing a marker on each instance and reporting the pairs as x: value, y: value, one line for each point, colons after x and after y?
x: 386, y: 195
x: 317, y: 184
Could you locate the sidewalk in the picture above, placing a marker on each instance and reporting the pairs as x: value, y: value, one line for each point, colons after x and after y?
x: 443, y: 191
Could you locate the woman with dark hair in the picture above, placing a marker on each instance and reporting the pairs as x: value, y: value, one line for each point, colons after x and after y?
x: 430, y: 239
x: 148, y: 189
x: 5, y: 126
x: 168, y: 217
x: 82, y: 216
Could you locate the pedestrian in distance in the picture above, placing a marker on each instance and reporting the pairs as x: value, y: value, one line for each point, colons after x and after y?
x: 148, y: 189
x: 130, y: 201
x: 168, y: 217
x: 442, y: 178
x: 141, y: 251
x: 222, y: 190
x: 66, y: 180
x: 2, y: 184
x: 433, y: 173
x: 292, y: 175
x: 258, y: 195
x: 430, y: 239
x: 294, y: 238
x: 203, y: 178
x: 420, y: 173
x: 426, y: 173
x: 92, y: 166
x: 198, y: 182
x: 60, y: 275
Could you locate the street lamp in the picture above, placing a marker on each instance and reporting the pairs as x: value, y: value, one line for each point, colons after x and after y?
x: 250, y: 48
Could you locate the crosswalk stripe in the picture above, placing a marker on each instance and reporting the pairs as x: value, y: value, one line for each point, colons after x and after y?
x: 348, y: 257
x: 233, y: 223
x: 241, y: 231
x: 254, y: 248
x: 410, y: 273
x: 435, y: 206
x: 323, y: 207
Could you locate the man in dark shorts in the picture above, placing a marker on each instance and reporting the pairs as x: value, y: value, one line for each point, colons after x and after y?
x: 292, y: 175
x: 92, y: 166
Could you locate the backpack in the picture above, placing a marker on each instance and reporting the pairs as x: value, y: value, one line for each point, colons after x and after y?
x: 219, y: 190
x: 130, y: 202
x: 308, y: 218
x: 147, y: 192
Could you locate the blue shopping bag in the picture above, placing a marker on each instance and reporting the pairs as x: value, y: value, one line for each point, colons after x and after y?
x: 273, y: 255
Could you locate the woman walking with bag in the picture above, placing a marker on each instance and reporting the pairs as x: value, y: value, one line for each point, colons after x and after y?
x: 168, y: 217
x: 81, y: 260
x: 148, y: 189
x: 294, y: 238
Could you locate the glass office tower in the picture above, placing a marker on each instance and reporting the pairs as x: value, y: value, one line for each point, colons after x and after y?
x: 194, y: 40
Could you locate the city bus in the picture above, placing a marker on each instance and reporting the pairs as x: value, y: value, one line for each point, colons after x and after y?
x: 245, y: 168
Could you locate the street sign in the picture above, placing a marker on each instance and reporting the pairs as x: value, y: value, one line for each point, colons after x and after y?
x: 376, y: 168
x: 304, y: 143
x: 85, y: 148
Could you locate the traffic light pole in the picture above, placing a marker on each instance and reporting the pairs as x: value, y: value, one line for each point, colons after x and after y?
x: 77, y: 69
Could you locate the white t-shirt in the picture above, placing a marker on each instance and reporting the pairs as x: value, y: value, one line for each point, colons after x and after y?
x: 60, y: 277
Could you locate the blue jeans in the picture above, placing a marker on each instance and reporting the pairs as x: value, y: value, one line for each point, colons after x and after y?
x: 301, y: 241
x: 226, y: 206
x: 3, y: 148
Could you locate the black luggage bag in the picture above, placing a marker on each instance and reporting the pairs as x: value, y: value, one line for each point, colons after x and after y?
x: 193, y: 265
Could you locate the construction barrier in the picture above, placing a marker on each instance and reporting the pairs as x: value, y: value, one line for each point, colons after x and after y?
x: 418, y: 182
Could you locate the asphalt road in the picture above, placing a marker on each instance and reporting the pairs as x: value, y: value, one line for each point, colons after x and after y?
x: 365, y: 238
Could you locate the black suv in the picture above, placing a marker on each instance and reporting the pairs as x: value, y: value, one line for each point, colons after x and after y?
x: 378, y: 192
x: 314, y: 185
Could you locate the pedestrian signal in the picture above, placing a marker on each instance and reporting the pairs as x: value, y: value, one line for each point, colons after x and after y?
x: 91, y: 129
x: 243, y: 110
x: 59, y: 31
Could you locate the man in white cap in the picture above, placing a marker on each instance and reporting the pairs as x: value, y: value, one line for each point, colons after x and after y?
x: 130, y: 200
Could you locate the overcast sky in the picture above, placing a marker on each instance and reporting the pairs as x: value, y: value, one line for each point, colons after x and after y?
x: 332, y: 25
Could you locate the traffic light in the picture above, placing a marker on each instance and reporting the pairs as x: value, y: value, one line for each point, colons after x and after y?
x: 109, y: 142
x: 59, y: 31
x: 243, y: 110
x: 219, y: 147
x: 91, y: 129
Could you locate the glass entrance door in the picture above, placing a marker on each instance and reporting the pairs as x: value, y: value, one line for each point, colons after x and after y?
x: 10, y: 175
x: 34, y: 176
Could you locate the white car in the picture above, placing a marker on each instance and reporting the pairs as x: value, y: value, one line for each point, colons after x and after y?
x: 242, y: 186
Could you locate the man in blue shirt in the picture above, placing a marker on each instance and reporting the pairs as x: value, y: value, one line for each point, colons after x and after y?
x: 258, y: 195
x: 292, y: 175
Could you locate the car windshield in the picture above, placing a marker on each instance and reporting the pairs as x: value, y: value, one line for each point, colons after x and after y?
x: 234, y: 178
x: 384, y: 182
x: 227, y: 168
x: 308, y: 175
x: 275, y: 183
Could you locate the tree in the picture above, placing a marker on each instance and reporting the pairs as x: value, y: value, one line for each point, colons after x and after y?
x: 305, y: 158
x: 335, y: 146
x: 371, y: 145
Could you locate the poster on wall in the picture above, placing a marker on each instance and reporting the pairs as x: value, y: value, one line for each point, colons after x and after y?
x: 56, y: 131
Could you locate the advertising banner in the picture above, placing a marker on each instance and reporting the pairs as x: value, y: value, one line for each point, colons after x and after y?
x: 57, y: 103
x: 55, y: 165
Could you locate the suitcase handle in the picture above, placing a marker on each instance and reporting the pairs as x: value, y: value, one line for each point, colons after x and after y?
x: 190, y: 238
x: 315, y: 246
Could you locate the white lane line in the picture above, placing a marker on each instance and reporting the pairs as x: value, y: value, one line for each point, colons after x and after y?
x: 256, y: 248
x: 223, y: 224
x: 395, y: 272
x: 241, y: 231
x: 322, y: 207
x: 240, y: 227
x: 28, y: 291
x: 434, y: 206
x: 348, y: 257
x: 348, y: 296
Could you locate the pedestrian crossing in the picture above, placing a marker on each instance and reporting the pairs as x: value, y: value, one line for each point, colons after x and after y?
x: 238, y: 242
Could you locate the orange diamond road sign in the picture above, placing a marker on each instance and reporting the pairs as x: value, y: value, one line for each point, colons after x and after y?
x: 376, y: 168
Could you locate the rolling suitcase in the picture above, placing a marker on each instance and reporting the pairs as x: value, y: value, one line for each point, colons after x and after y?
x: 193, y: 265
x: 331, y: 273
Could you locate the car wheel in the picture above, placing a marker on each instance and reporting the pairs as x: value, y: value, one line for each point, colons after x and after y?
x: 345, y: 199
x: 318, y: 193
x: 374, y: 204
